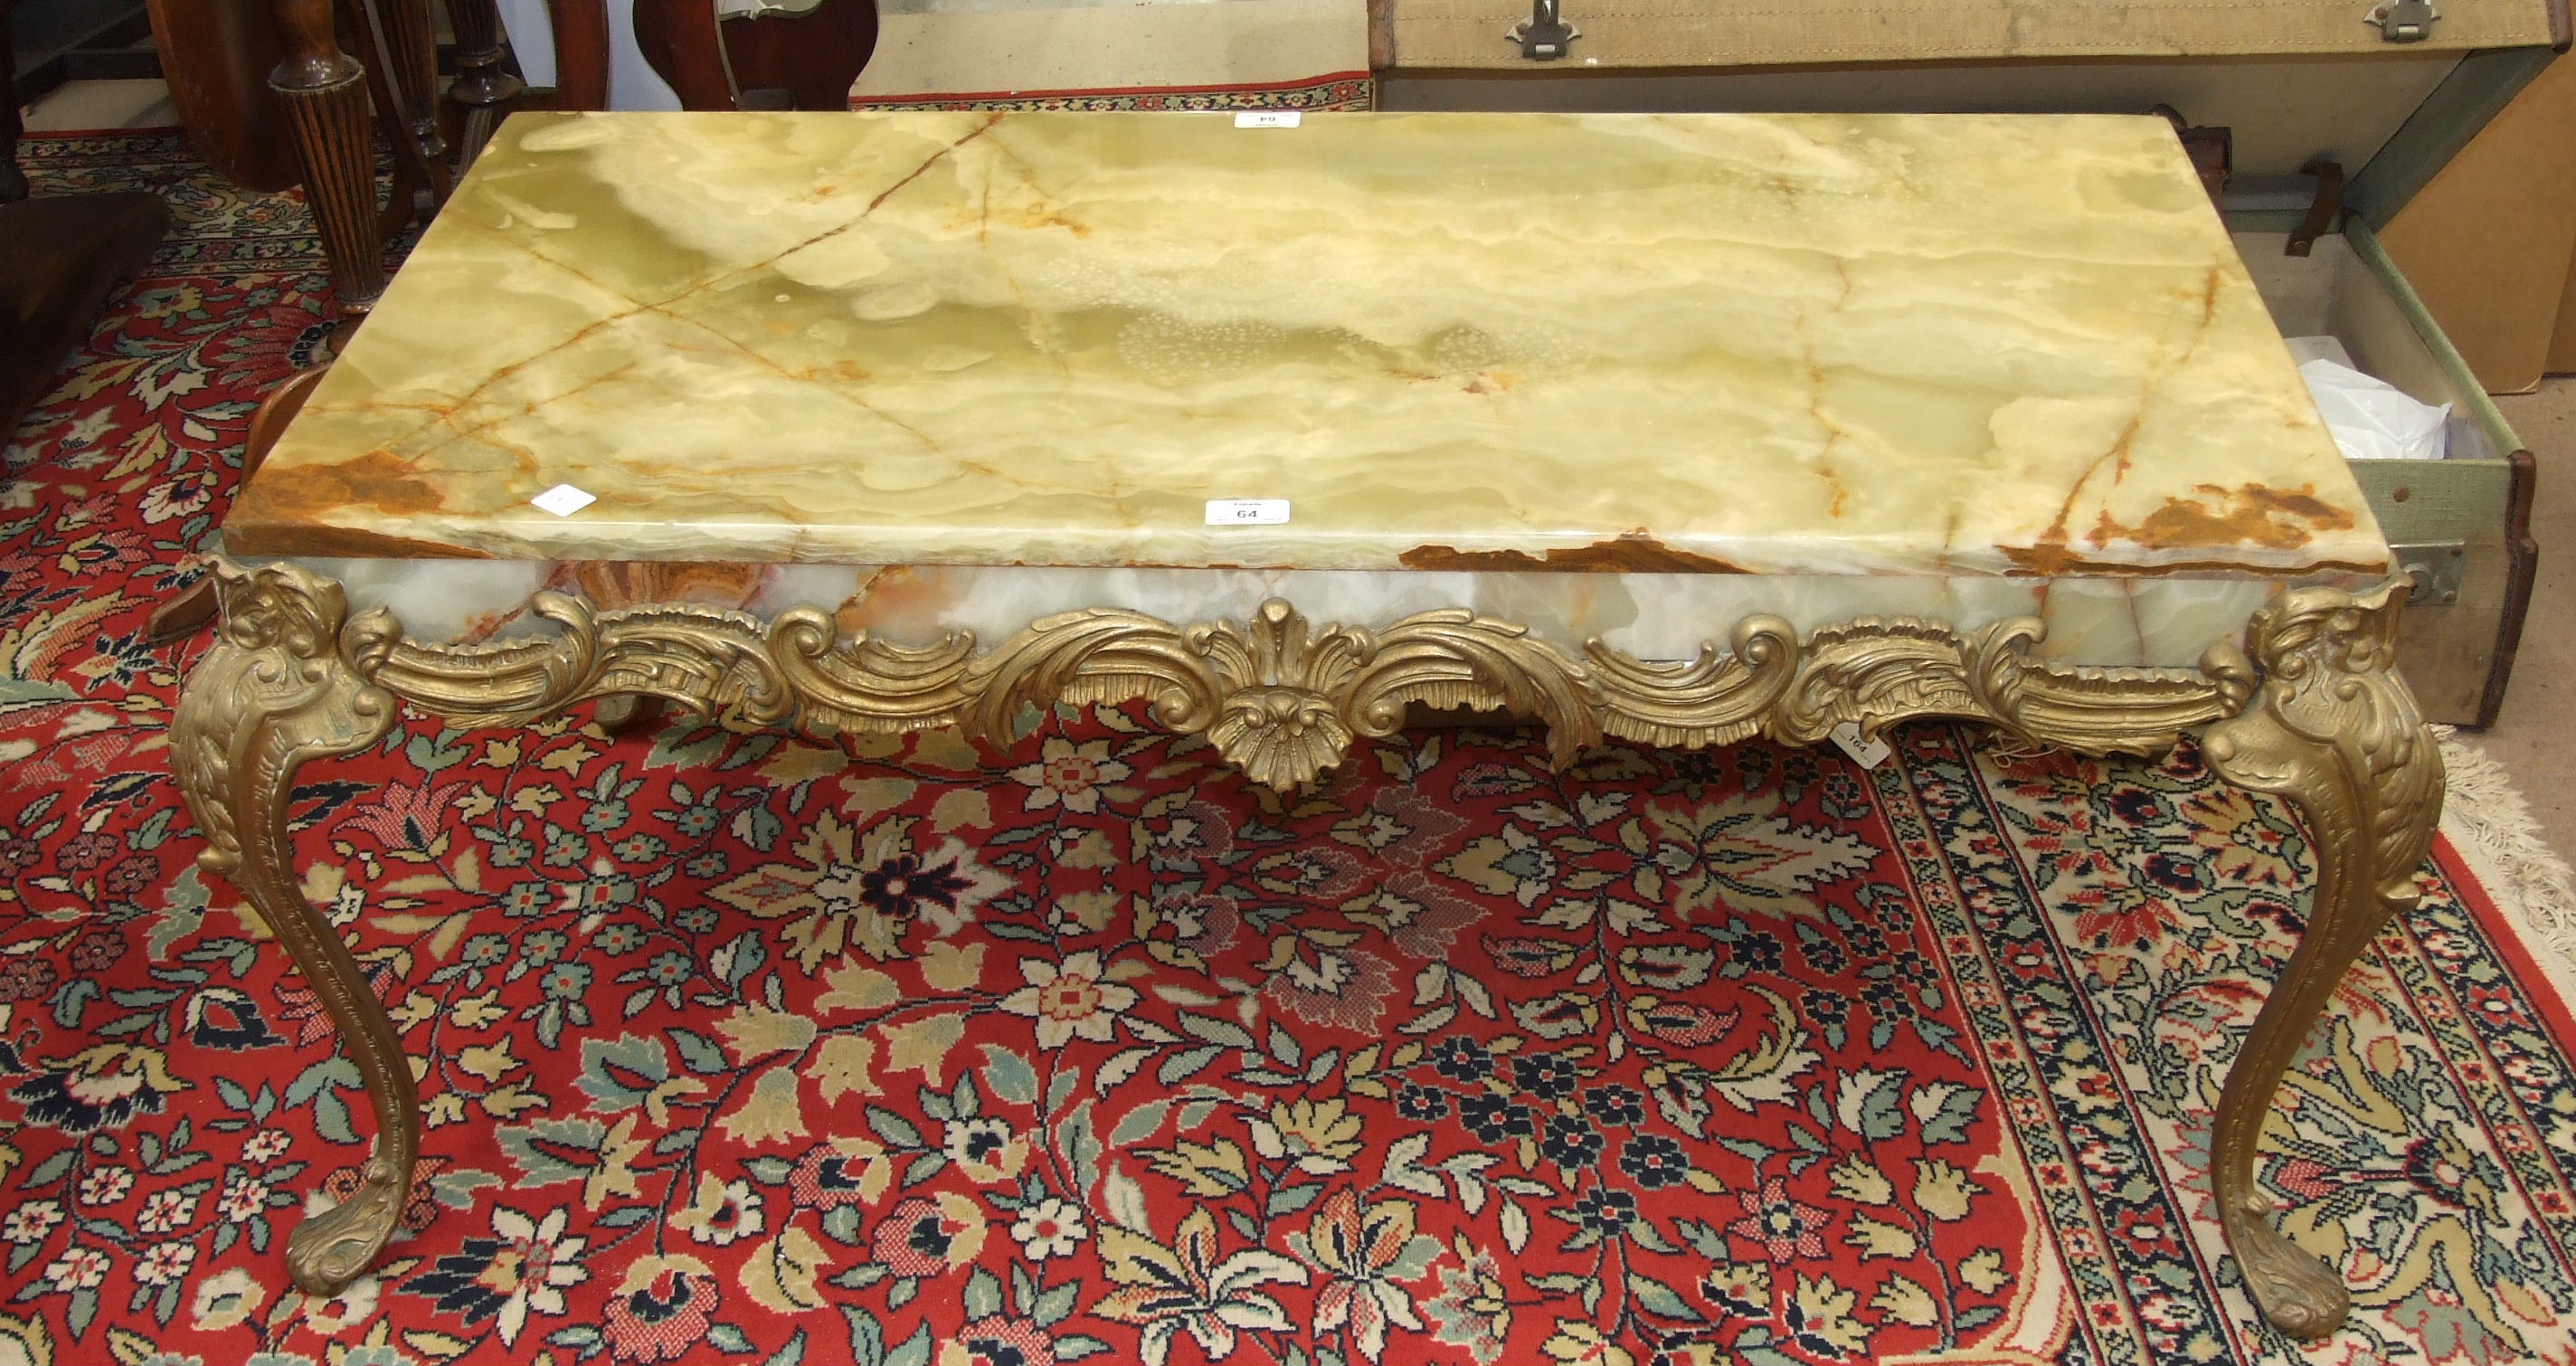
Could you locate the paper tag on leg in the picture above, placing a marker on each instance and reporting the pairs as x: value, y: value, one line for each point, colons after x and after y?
x: 1868, y: 753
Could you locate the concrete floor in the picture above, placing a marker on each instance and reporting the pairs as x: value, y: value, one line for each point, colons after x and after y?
x: 2534, y: 737
x: 80, y: 105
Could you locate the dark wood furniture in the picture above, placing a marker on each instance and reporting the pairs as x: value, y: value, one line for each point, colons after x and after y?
x: 58, y: 41
x: 279, y: 92
x: 60, y: 258
x: 774, y: 60
x: 215, y: 55
x: 295, y: 92
x: 216, y: 59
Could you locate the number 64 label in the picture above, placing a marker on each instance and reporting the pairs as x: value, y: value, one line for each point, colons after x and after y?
x: 1246, y: 511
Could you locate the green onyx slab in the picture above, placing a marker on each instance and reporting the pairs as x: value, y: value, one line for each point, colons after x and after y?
x: 1666, y: 344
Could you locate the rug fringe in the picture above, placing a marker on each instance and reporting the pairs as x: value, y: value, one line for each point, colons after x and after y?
x: 2490, y: 826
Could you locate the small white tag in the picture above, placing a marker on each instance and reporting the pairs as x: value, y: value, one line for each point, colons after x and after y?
x: 563, y: 500
x: 1246, y: 511
x: 1266, y: 118
x: 1869, y: 753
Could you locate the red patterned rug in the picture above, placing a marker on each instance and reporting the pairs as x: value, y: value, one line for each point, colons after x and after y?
x: 745, y: 1048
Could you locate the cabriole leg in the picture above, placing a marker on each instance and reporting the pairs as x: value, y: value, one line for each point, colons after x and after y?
x: 2332, y: 727
x: 281, y: 685
x: 484, y: 89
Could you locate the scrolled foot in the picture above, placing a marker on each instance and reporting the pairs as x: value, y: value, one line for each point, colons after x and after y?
x: 2298, y: 1293
x: 330, y: 1249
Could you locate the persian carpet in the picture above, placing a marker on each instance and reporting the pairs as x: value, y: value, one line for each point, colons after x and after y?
x: 749, y: 1048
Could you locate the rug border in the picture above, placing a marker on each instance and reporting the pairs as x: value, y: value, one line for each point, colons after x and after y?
x: 2523, y: 888
x: 861, y: 103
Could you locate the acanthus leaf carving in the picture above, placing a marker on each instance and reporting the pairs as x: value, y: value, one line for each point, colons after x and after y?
x: 1285, y: 701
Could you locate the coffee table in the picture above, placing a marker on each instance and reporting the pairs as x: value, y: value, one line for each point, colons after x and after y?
x: 1678, y: 429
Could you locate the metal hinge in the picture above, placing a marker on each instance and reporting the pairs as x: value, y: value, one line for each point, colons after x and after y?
x: 2434, y: 568
x: 2404, y: 21
x: 1545, y: 37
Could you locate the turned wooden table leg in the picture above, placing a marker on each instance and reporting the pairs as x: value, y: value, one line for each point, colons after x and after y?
x: 2331, y: 726
x: 482, y: 87
x: 323, y: 91
x: 414, y: 39
x: 282, y: 684
x: 398, y: 50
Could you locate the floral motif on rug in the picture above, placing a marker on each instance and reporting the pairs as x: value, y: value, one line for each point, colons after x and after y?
x: 905, y: 1052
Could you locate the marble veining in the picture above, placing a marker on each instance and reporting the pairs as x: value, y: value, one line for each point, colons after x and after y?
x: 1656, y: 345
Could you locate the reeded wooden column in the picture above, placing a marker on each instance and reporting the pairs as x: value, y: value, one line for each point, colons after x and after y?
x: 484, y: 89
x: 414, y: 40
x: 402, y: 71
x: 323, y: 92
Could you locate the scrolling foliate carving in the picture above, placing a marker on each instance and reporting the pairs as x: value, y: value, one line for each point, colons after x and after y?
x: 712, y: 662
x: 1284, y: 701
x: 1279, y: 700
x: 1876, y: 671
x: 1711, y: 700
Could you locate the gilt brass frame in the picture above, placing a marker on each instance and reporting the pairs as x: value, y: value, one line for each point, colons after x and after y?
x: 2311, y: 708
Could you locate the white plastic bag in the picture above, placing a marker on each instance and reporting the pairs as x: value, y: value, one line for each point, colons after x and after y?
x: 2305, y: 349
x: 2372, y: 419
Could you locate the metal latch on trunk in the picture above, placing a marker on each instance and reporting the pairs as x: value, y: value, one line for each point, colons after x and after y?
x: 2404, y: 21
x: 1546, y: 36
x: 2433, y: 567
